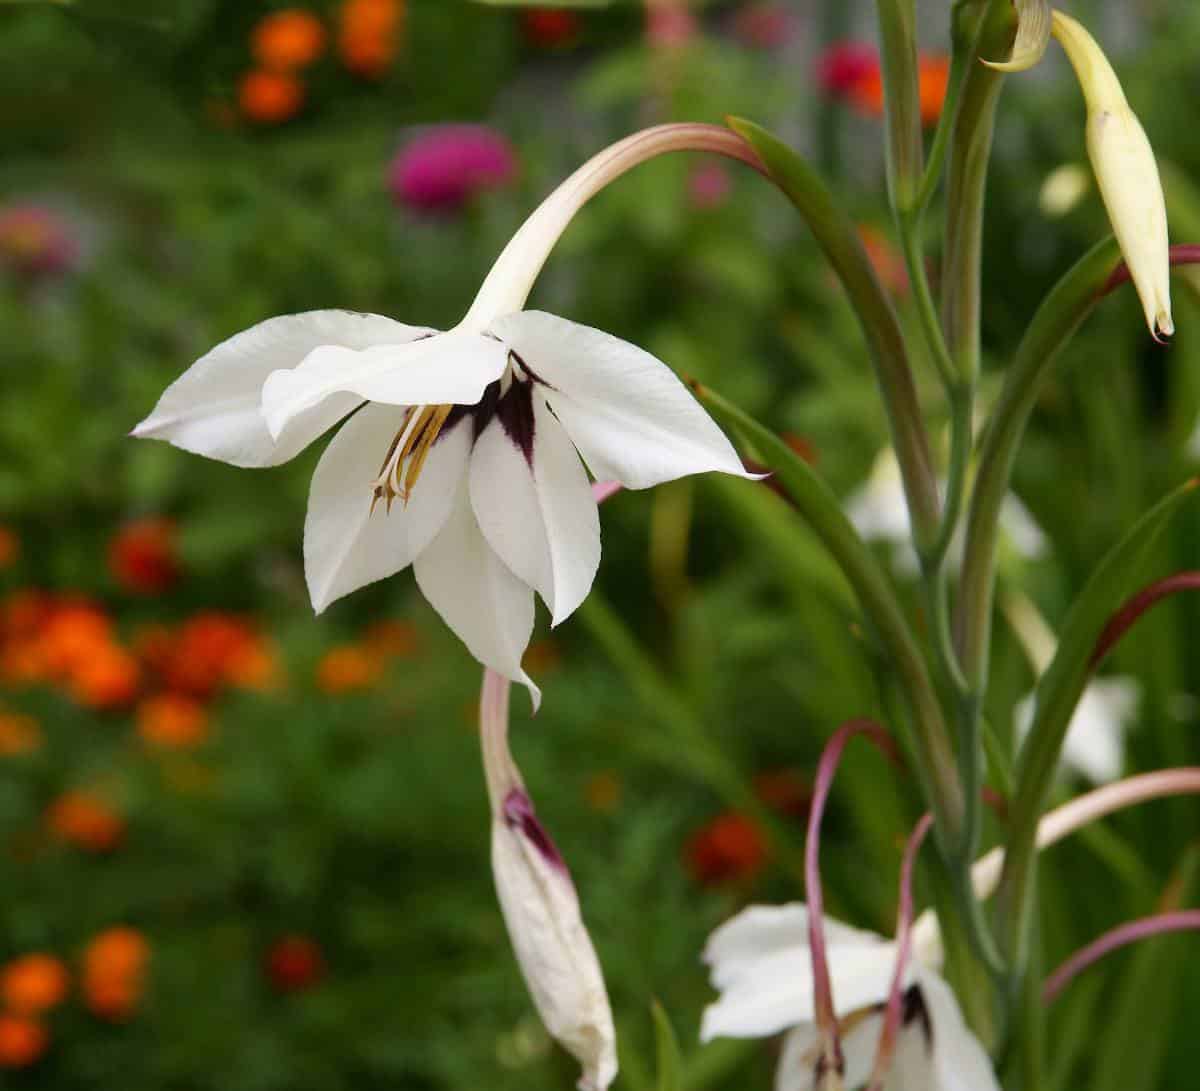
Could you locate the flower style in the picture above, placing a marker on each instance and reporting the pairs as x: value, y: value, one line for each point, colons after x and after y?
x: 761, y: 964
x: 461, y: 454
x: 541, y: 907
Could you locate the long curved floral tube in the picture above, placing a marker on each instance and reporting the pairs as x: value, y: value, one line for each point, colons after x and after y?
x: 1185, y: 920
x: 894, y: 1010
x: 830, y: 1059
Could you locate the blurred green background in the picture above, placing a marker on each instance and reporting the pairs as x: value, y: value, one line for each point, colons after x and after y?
x: 253, y: 843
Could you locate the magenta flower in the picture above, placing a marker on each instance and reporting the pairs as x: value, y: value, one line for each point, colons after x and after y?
x: 708, y: 185
x: 444, y: 168
x: 842, y: 66
x: 35, y: 241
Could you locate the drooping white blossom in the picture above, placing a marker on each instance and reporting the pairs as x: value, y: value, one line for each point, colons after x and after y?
x: 464, y: 453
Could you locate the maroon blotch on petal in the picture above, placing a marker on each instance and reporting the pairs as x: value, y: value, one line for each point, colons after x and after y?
x: 519, y: 815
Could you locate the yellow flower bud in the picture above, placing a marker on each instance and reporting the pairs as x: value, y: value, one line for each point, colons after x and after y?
x: 1125, y: 171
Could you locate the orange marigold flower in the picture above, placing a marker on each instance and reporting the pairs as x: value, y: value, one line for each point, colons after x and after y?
x: 347, y: 667
x: 255, y: 665
x: 393, y: 638
x: 287, y: 39
x: 142, y: 556
x: 108, y: 679
x: 294, y: 963
x: 73, y: 633
x: 603, y: 791
x: 34, y: 983
x: 10, y: 546
x: 172, y: 720
x: 730, y: 848
x: 18, y: 734
x: 114, y: 968
x: 270, y: 97
x: 22, y: 1041
x: 368, y: 35
x: 85, y: 820
x: 933, y: 77
x: 24, y: 612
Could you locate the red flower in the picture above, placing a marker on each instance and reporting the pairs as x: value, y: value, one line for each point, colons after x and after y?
x: 548, y: 28
x: 142, y: 556
x: 294, y: 963
x: 730, y: 848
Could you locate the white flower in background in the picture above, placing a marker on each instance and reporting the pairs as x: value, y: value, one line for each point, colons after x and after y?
x: 879, y: 512
x: 1063, y: 189
x: 1126, y: 173
x: 541, y: 908
x: 762, y: 966
x: 1095, y: 743
x: 462, y: 452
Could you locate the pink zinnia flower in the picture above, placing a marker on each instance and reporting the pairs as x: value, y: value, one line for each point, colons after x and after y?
x: 35, y: 241
x: 443, y: 169
x: 844, y: 65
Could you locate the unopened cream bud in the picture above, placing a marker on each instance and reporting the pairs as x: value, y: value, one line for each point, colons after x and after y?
x: 1125, y: 172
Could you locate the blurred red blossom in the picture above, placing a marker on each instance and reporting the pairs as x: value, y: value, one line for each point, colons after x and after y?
x: 708, y: 184
x: 35, y: 241
x: 22, y: 1041
x: 172, y: 721
x: 347, y: 668
x: 19, y: 734
x: 784, y: 790
x: 729, y: 848
x: 851, y: 71
x: 670, y: 24
x: 209, y: 651
x: 549, y: 28
x: 10, y: 546
x: 844, y: 65
x: 270, y: 98
x: 294, y: 963
x: 443, y: 169
x: 142, y: 556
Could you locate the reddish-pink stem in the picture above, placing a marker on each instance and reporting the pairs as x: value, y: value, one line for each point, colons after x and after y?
x: 1184, y: 920
x: 1134, y: 607
x: 904, y: 917
x: 823, y: 1009
x: 1183, y: 254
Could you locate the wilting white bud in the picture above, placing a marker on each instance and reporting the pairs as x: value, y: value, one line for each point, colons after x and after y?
x: 1126, y: 173
x: 541, y: 908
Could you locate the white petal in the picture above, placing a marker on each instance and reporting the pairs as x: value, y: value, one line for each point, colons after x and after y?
x: 489, y: 609
x: 552, y: 944
x: 346, y: 545
x: 445, y: 369
x: 1095, y: 739
x: 631, y: 418
x: 540, y: 519
x: 959, y: 1062
x: 797, y: 1061
x: 213, y: 408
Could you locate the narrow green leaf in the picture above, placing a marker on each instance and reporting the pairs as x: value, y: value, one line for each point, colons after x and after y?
x: 670, y: 1061
x: 1058, y: 693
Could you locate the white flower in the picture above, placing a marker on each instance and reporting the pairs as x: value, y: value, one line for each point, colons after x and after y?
x: 762, y: 965
x: 541, y: 908
x: 1126, y: 173
x: 462, y: 452
x: 879, y: 512
x: 1095, y: 740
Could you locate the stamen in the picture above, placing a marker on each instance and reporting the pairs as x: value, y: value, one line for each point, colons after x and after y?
x: 406, y: 454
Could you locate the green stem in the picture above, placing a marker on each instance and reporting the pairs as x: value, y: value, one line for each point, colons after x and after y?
x: 838, y: 237
x: 1061, y: 312
x: 820, y: 508
x: 909, y: 227
x: 970, y: 152
x: 898, y: 48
